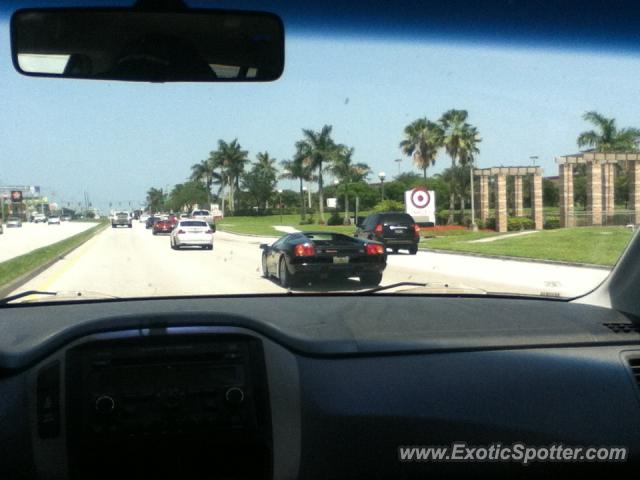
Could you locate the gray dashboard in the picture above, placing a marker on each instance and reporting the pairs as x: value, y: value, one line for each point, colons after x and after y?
x: 351, y: 379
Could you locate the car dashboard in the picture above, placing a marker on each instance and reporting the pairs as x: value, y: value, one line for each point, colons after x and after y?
x: 309, y: 386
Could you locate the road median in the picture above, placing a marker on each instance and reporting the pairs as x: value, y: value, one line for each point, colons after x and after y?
x: 19, y: 270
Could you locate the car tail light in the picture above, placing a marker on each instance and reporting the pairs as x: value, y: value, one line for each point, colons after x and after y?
x: 416, y: 230
x: 378, y: 229
x: 304, y: 250
x: 180, y: 232
x: 374, y: 249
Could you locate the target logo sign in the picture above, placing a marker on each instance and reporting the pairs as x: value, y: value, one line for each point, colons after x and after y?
x: 420, y: 198
x: 420, y: 204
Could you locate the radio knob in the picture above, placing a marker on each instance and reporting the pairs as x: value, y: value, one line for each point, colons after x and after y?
x: 105, y: 404
x: 234, y: 395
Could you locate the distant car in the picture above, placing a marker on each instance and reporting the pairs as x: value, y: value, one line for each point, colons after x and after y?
x: 162, y: 226
x: 151, y: 221
x: 144, y: 217
x: 310, y: 255
x: 121, y: 219
x: 39, y: 218
x: 14, y: 222
x: 173, y: 220
x: 202, y: 215
x: 184, y: 215
x: 53, y: 220
x: 65, y: 218
x: 396, y: 230
x: 187, y: 233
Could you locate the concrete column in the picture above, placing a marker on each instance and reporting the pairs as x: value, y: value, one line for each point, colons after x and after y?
x: 594, y: 192
x: 501, y: 202
x: 566, y: 195
x: 536, y: 202
x: 608, y: 189
x: 484, y: 197
x: 634, y: 189
x: 517, y: 193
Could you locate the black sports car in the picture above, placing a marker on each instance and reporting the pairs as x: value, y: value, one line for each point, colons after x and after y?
x: 310, y: 255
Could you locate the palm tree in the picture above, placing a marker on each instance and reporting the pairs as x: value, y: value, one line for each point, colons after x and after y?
x: 607, y: 137
x: 347, y: 173
x: 298, y: 169
x: 266, y: 162
x: 422, y: 141
x: 460, y: 142
x: 232, y: 160
x: 155, y: 199
x: 317, y: 148
x: 205, y: 172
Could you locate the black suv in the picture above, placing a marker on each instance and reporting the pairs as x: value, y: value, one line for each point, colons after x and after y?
x: 395, y: 229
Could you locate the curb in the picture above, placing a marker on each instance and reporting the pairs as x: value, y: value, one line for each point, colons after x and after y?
x: 25, y: 277
x: 517, y: 259
x: 248, y: 234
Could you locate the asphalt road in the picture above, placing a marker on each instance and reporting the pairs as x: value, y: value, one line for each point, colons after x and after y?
x: 132, y: 262
x: 18, y: 241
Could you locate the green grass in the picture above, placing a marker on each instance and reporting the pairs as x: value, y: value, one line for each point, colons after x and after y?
x: 264, y: 225
x: 18, y: 266
x: 593, y: 245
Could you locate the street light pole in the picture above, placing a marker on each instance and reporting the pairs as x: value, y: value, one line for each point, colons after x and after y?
x: 382, y: 176
x: 533, y: 159
x: 398, y: 161
x: 280, y: 203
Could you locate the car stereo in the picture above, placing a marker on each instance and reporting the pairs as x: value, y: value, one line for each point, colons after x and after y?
x: 182, y: 408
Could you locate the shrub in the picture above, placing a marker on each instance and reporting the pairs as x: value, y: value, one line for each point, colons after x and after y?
x: 520, y: 223
x: 335, y: 219
x: 490, y: 223
x: 389, y: 205
x: 551, y: 223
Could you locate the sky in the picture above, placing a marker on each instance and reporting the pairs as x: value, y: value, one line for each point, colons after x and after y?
x: 115, y: 140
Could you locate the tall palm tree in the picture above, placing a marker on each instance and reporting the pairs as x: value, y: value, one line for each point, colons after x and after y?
x: 205, y: 172
x: 317, y: 148
x: 423, y: 139
x: 298, y: 169
x: 607, y: 137
x: 266, y: 162
x: 347, y: 173
x: 460, y: 142
x: 232, y: 160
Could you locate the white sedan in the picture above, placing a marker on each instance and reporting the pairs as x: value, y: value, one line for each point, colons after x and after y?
x: 188, y: 233
x: 53, y: 220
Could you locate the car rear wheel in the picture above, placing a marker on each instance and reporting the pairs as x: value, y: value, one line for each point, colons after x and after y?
x: 265, y: 270
x: 371, y: 279
x: 413, y: 250
x: 286, y: 279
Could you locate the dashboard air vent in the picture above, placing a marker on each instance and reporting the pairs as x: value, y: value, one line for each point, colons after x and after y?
x: 634, y: 364
x: 623, y: 327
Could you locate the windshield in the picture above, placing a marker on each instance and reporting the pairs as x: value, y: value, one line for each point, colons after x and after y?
x: 517, y: 162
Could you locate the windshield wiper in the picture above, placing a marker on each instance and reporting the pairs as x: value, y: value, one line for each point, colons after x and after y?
x: 26, y: 293
x: 442, y: 288
x: 62, y: 295
x: 393, y: 285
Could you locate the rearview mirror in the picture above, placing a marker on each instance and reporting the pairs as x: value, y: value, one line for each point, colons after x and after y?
x: 156, y: 46
x: 264, y: 246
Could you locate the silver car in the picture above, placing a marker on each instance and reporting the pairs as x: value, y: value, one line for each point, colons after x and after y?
x: 192, y: 233
x: 14, y: 222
